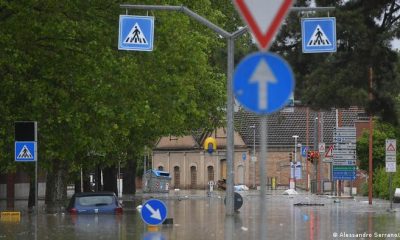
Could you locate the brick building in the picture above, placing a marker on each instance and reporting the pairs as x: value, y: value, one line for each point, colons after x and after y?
x: 192, y: 167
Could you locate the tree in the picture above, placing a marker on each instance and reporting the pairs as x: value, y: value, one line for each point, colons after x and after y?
x: 94, y: 104
x: 364, y: 30
x: 382, y: 131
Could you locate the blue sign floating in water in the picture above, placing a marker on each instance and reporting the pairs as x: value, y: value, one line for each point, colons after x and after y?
x: 154, y: 212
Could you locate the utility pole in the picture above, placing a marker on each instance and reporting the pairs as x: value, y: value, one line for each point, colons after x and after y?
x: 371, y: 132
x: 316, y: 150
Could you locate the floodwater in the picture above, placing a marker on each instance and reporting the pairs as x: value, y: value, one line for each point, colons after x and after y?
x: 197, y: 216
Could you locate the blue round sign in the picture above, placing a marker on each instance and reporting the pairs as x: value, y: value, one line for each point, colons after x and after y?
x: 154, y: 212
x: 263, y: 82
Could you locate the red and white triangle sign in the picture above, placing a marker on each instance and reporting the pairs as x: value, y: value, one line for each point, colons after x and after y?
x: 264, y: 17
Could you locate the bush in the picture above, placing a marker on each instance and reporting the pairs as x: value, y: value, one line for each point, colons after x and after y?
x: 381, y: 182
x: 364, y: 189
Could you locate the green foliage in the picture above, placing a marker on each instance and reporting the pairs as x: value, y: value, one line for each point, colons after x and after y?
x: 364, y: 189
x: 381, y: 132
x: 60, y: 66
x: 381, y: 182
x: 341, y: 79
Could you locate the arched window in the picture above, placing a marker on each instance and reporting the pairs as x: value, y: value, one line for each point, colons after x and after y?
x: 177, y: 177
x: 193, y: 177
x: 210, y: 173
x: 223, y: 169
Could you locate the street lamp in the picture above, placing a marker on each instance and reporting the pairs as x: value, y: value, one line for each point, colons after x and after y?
x: 253, y: 158
x: 295, y: 160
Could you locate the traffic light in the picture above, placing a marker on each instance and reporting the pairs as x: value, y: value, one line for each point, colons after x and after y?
x: 290, y: 157
x: 312, y: 155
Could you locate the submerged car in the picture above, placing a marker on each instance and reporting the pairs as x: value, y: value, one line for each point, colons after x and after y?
x: 94, y: 203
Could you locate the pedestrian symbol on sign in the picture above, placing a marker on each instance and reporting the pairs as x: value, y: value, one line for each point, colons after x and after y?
x: 318, y: 35
x: 24, y: 153
x: 319, y: 38
x: 135, y: 36
x: 136, y: 33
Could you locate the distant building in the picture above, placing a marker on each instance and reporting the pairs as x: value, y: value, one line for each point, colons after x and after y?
x: 193, y: 168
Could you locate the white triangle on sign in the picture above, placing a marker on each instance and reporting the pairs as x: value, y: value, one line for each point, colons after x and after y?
x: 24, y: 153
x: 136, y: 36
x: 329, y: 153
x: 264, y: 17
x: 318, y: 38
x: 258, y: 11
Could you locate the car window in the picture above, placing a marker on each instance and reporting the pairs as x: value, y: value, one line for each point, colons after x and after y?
x: 94, y: 200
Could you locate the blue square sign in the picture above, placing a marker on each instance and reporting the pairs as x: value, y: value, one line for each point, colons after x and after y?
x: 136, y: 33
x: 25, y: 151
x: 318, y: 35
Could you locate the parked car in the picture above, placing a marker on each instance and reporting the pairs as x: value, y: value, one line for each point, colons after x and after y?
x: 94, y: 202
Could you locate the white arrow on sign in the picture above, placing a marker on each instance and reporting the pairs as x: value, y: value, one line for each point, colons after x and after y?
x: 154, y: 213
x: 263, y: 75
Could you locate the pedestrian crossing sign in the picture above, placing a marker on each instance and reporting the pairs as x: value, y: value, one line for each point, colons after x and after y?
x: 25, y: 151
x: 136, y: 33
x: 318, y: 35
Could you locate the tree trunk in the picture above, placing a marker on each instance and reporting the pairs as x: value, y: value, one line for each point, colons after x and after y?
x: 98, y: 185
x: 110, y: 179
x: 10, y: 190
x: 129, y: 186
x: 56, y: 187
x: 86, y: 183
x: 31, y: 198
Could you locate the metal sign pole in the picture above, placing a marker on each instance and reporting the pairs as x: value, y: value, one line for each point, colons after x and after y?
x: 263, y: 157
x: 230, y: 132
x: 390, y: 191
x: 36, y: 174
x: 36, y: 188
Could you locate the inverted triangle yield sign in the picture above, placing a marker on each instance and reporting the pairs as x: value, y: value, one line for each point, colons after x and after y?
x: 264, y: 17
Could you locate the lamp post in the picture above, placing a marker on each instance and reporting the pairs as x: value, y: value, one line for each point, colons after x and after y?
x: 295, y: 160
x: 253, y: 158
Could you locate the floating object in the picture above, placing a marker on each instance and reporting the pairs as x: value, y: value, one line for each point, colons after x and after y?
x: 308, y: 204
x: 290, y: 192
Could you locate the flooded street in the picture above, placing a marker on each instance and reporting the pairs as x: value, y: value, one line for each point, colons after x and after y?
x: 196, y: 216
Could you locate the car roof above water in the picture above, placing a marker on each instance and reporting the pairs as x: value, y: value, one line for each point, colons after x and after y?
x: 84, y: 194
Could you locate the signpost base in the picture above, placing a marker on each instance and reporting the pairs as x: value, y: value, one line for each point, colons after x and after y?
x: 292, y: 183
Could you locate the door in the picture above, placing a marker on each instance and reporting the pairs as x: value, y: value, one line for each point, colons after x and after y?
x: 223, y: 169
x: 240, y: 174
x: 210, y: 173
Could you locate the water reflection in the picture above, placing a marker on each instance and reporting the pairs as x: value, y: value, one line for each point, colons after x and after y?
x: 204, y: 218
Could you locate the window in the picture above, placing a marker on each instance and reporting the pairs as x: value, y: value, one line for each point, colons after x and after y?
x: 210, y: 173
x: 177, y: 177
